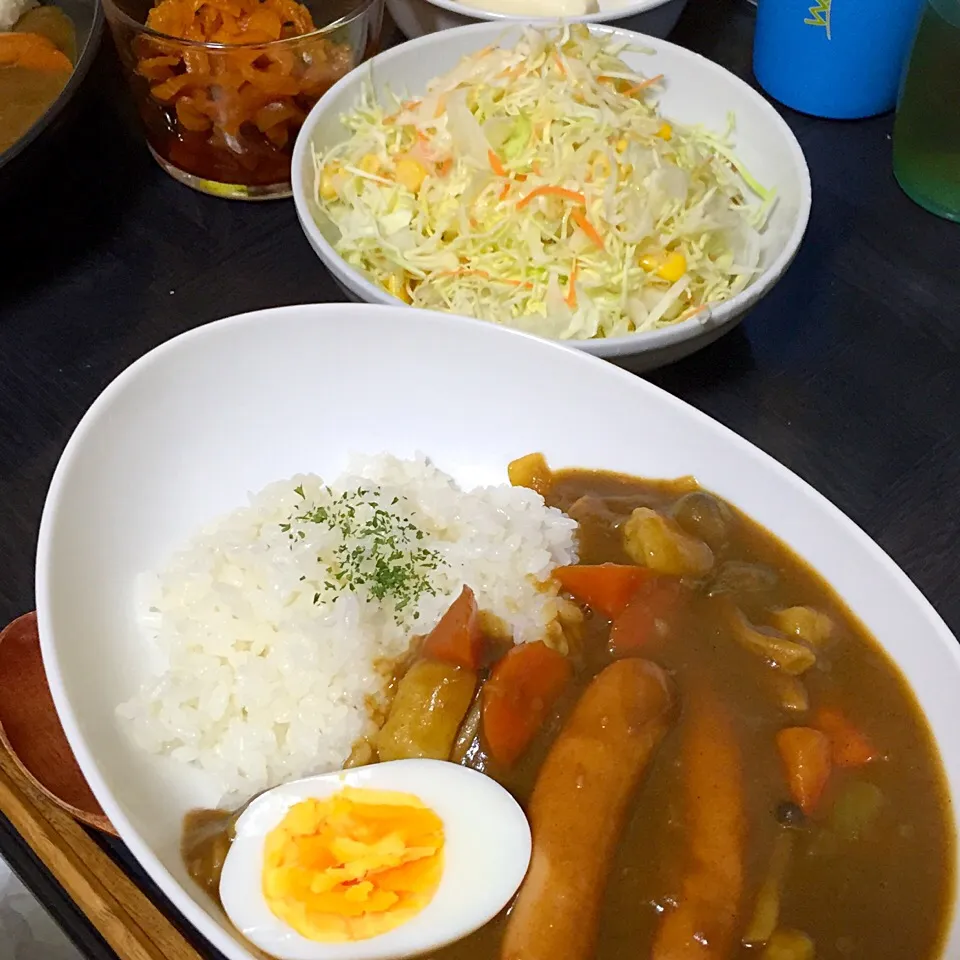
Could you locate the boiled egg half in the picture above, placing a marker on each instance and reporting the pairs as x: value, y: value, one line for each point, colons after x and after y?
x: 374, y: 863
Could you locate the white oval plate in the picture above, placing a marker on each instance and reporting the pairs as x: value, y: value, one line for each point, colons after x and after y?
x: 188, y: 430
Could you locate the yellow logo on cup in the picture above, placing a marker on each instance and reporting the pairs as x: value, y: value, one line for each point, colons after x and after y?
x: 820, y: 15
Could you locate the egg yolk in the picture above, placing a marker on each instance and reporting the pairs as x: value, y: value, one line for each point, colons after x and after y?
x: 353, y: 866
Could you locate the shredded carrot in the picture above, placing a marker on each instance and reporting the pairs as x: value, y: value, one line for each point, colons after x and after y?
x: 559, y: 63
x: 422, y: 137
x: 505, y: 190
x: 443, y: 167
x: 580, y: 218
x: 571, y: 297
x: 637, y: 87
x: 495, y: 164
x: 548, y: 191
x: 480, y: 54
x: 692, y: 312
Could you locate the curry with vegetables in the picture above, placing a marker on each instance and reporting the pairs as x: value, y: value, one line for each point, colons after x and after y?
x: 36, y: 60
x: 716, y: 759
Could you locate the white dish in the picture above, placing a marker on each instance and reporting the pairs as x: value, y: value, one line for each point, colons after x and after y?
x: 696, y: 91
x: 189, y: 429
x: 418, y: 17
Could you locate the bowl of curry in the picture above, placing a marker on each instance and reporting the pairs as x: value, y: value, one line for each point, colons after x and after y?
x: 45, y: 53
x: 729, y: 718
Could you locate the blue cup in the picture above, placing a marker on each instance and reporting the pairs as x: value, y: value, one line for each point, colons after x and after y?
x: 841, y: 59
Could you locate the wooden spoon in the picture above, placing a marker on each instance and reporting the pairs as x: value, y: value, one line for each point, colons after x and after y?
x: 129, y: 922
x: 30, y: 728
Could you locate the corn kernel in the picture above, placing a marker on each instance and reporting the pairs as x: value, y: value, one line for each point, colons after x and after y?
x: 650, y: 262
x: 397, y: 288
x: 674, y: 267
x: 368, y: 163
x: 665, y: 132
x: 621, y: 145
x: 410, y: 174
x: 327, y: 190
x: 601, y: 164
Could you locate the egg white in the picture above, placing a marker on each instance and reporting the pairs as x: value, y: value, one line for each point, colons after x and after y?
x: 486, y: 855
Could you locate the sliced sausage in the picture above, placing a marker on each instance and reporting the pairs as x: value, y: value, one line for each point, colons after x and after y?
x: 578, y: 808
x: 703, y: 925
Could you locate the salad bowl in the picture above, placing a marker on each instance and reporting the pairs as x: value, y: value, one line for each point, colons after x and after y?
x: 696, y: 93
x: 417, y: 17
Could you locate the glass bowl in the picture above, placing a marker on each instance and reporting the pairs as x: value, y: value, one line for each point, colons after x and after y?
x: 222, y: 117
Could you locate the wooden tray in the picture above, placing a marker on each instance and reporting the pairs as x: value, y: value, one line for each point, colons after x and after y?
x: 85, y: 877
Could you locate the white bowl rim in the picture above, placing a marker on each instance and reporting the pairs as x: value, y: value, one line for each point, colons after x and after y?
x: 642, y: 342
x: 174, y: 891
x: 632, y: 9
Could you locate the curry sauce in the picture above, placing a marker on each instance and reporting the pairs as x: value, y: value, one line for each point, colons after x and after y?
x: 866, y: 871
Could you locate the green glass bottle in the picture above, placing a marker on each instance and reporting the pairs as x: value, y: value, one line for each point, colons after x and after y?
x: 926, y: 133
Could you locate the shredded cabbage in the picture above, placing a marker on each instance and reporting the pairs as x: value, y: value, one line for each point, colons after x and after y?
x: 539, y: 187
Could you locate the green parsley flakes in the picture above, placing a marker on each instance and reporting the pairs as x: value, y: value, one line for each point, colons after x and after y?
x: 379, y: 552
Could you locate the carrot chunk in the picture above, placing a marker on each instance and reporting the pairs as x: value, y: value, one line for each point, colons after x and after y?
x: 849, y: 746
x: 33, y: 52
x: 606, y: 588
x: 645, y: 618
x: 457, y: 638
x: 805, y: 753
x: 520, y: 693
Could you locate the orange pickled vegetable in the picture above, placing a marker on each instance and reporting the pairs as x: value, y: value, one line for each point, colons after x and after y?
x: 248, y: 101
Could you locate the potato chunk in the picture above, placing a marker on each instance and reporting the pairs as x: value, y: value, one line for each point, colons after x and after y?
x: 654, y: 541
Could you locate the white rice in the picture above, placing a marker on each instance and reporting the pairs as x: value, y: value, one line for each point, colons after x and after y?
x: 271, y: 675
x: 11, y: 11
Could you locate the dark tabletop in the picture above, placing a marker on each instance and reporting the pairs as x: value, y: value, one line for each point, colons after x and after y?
x: 847, y: 372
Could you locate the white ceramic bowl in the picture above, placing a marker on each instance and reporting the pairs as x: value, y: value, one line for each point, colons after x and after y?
x: 183, y: 435
x: 696, y: 91
x: 417, y: 17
